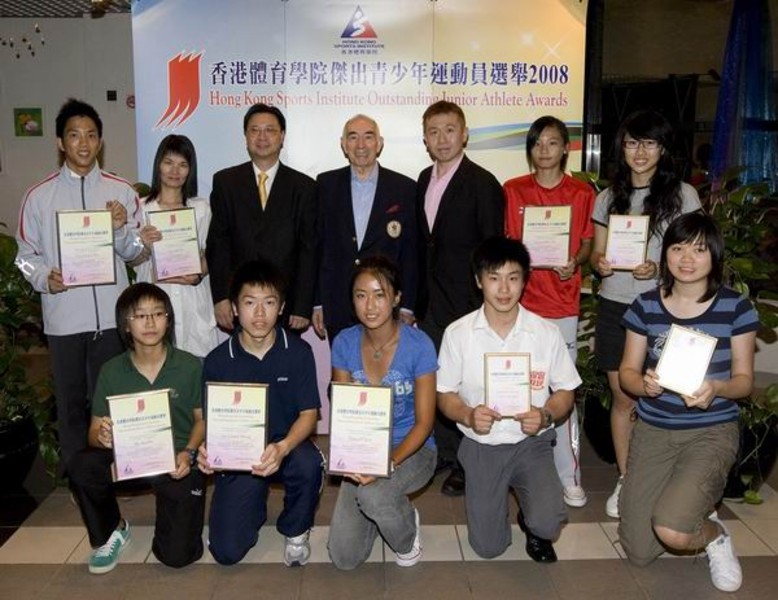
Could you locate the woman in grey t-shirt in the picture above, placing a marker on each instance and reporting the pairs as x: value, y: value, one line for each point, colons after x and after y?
x: 645, y: 184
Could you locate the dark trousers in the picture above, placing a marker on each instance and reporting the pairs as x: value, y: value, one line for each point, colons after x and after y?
x: 180, y: 504
x: 75, y: 362
x: 239, y: 506
x: 447, y: 434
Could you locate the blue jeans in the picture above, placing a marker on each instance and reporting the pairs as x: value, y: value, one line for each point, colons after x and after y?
x: 382, y: 507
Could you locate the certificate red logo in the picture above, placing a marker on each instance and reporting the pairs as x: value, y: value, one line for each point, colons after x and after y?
x: 87, y: 221
x: 362, y: 399
x: 236, y: 397
x: 141, y: 405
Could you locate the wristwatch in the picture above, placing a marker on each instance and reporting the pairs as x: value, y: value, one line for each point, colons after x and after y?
x: 548, y: 418
x: 192, y: 456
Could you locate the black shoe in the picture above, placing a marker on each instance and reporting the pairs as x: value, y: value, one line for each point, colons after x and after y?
x: 444, y: 464
x: 454, y: 485
x: 540, y: 550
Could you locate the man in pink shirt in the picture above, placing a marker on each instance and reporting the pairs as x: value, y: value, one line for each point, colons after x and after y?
x: 459, y: 205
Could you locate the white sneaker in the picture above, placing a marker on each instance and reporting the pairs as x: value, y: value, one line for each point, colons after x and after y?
x: 297, y: 550
x: 575, y: 496
x: 612, y: 504
x: 413, y: 556
x: 725, y: 571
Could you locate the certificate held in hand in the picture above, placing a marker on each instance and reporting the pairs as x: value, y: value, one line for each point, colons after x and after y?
x: 684, y: 361
x: 142, y: 434
x: 236, y: 425
x: 546, y: 234
x: 507, y: 382
x: 85, y: 242
x: 360, y: 429
x: 177, y: 253
x: 627, y: 241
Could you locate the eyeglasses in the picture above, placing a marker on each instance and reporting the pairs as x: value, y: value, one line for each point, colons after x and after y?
x: 646, y: 144
x: 156, y: 316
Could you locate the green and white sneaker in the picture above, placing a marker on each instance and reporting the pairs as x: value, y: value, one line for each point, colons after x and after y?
x: 105, y: 557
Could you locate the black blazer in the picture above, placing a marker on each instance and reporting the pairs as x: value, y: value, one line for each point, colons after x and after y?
x: 284, y: 233
x: 471, y: 210
x: 391, y: 231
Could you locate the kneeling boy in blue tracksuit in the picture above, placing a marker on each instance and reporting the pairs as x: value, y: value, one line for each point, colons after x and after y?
x: 261, y: 351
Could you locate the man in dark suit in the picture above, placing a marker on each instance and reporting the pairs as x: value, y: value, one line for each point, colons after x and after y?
x: 263, y: 209
x: 459, y: 205
x: 364, y: 210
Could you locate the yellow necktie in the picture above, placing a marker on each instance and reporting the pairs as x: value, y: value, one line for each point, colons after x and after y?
x: 262, y: 189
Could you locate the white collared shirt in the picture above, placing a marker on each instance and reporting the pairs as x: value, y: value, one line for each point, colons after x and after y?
x: 466, y: 341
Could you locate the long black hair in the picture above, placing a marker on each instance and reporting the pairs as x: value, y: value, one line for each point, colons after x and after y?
x: 664, y: 199
x: 181, y: 146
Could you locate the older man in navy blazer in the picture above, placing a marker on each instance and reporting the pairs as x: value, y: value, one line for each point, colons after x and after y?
x: 364, y: 210
x: 262, y: 209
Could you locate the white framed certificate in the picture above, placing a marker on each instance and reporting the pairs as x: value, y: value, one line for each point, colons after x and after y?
x: 507, y: 382
x: 546, y: 234
x: 360, y: 429
x: 685, y: 358
x: 142, y: 434
x: 235, y: 424
x: 627, y: 241
x: 85, y: 243
x: 177, y: 253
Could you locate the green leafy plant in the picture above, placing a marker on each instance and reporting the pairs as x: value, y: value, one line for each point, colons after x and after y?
x: 21, y: 327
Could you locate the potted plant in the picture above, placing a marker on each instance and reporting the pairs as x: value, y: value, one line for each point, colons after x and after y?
x: 26, y: 407
x: 746, y: 216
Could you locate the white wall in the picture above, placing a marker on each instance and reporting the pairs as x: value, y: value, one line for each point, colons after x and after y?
x: 81, y: 58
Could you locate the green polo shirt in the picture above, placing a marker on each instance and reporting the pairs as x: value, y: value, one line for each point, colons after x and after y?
x: 181, y: 372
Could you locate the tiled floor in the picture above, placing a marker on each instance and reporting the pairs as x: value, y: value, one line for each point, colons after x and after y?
x: 43, y: 550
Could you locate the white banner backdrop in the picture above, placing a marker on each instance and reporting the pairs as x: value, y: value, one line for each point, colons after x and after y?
x: 200, y: 64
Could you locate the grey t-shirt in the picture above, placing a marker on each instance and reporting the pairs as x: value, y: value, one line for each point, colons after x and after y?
x: 622, y: 286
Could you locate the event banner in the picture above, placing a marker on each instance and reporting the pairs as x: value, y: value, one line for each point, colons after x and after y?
x: 200, y: 64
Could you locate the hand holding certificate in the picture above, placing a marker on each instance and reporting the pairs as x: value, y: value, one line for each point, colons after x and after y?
x: 236, y: 425
x: 507, y: 382
x: 142, y: 434
x: 360, y: 429
x: 85, y: 241
x: 685, y: 359
x: 546, y: 233
x: 177, y: 253
x: 627, y: 241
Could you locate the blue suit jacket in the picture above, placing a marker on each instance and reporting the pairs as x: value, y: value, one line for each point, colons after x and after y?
x: 391, y: 231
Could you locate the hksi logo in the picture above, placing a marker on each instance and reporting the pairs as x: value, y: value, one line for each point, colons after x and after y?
x: 87, y: 221
x: 629, y: 224
x: 548, y: 215
x: 183, y: 77
x: 537, y: 379
x: 358, y: 26
x: 173, y: 219
x: 236, y: 397
x: 362, y: 399
x: 141, y: 405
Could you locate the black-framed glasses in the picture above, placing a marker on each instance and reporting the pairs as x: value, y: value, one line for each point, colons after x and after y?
x: 646, y: 144
x: 156, y: 316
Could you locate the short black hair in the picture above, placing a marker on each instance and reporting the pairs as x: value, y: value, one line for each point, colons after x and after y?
x: 493, y: 253
x: 261, y: 108
x: 386, y: 273
x: 76, y: 108
x: 688, y: 229
x: 127, y: 303
x: 260, y: 273
x: 443, y: 107
x: 182, y: 146
x: 533, y: 135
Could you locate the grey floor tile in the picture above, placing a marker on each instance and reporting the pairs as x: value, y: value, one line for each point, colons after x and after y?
x: 324, y: 581
x: 430, y: 581
x: 594, y: 579
x: 760, y: 577
x: 676, y: 578
x: 490, y: 580
x: 23, y: 582
x: 258, y: 582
